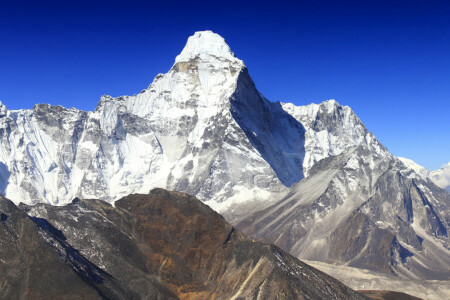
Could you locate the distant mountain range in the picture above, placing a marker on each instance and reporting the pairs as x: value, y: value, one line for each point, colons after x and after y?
x: 310, y: 179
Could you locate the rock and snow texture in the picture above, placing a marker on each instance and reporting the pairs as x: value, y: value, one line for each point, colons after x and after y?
x: 440, y: 177
x: 418, y: 169
x: 330, y: 129
x: 201, y: 128
x: 364, y: 209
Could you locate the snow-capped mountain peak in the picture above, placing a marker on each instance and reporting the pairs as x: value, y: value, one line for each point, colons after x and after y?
x: 418, y: 169
x: 206, y: 45
x: 440, y: 177
x: 201, y: 128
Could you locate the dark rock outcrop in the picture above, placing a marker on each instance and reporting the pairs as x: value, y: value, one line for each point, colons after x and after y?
x: 172, y: 241
x: 36, y: 262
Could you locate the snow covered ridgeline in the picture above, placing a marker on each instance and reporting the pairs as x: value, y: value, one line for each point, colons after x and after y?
x: 222, y: 141
x: 440, y: 177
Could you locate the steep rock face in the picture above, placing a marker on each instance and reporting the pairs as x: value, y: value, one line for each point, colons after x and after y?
x: 365, y: 209
x: 202, y: 128
x: 184, y: 245
x: 330, y: 129
x: 36, y: 262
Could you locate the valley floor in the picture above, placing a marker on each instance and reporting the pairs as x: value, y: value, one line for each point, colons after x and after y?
x: 360, y: 279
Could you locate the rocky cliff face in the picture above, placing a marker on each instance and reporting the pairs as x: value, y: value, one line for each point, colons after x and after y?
x: 171, y: 242
x: 365, y: 209
x: 36, y: 262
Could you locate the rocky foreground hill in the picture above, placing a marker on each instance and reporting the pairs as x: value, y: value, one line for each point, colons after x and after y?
x: 163, y: 245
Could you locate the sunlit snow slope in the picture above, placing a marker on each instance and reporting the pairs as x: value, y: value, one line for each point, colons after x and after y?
x: 440, y: 177
x: 201, y: 128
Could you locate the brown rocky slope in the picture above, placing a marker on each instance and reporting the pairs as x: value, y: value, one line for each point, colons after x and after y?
x: 169, y: 241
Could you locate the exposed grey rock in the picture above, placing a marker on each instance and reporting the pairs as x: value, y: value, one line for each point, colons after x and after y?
x: 202, y: 128
x: 172, y: 241
x: 362, y: 209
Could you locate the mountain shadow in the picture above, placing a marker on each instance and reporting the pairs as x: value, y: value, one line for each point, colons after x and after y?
x: 4, y: 177
x: 274, y: 133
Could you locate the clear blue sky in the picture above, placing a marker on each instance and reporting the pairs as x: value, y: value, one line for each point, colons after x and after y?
x: 388, y: 60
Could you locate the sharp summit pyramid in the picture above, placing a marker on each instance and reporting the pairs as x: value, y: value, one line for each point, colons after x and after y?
x: 311, y: 179
x: 201, y: 128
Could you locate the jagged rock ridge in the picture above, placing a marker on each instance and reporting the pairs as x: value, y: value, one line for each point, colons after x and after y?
x: 362, y: 209
x: 37, y: 262
x: 169, y: 245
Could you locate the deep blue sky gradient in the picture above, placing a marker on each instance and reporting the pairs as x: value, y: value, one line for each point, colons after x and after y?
x: 388, y: 60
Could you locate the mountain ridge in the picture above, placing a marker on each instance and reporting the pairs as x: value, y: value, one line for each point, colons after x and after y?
x: 362, y: 209
x: 301, y: 177
x: 440, y: 177
x: 183, y: 247
x: 218, y: 123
